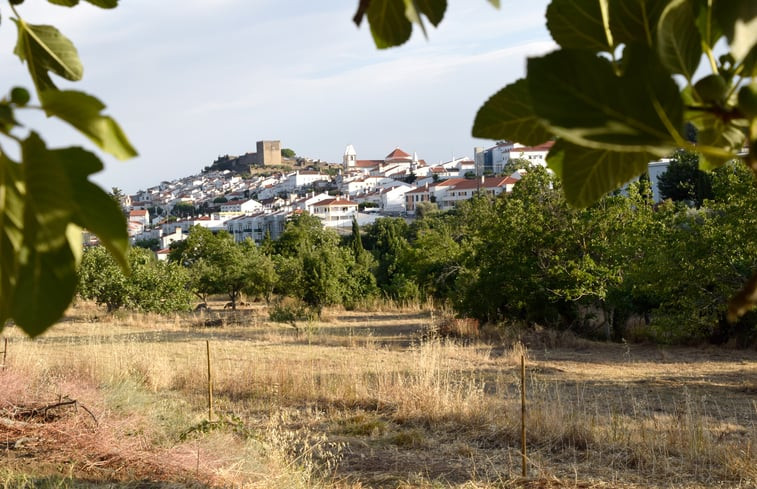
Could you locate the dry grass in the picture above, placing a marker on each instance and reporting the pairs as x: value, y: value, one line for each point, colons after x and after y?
x: 364, y: 399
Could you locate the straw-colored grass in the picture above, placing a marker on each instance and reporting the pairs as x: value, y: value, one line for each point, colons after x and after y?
x: 367, y: 399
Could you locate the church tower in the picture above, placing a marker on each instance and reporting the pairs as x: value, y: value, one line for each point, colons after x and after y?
x: 350, y: 157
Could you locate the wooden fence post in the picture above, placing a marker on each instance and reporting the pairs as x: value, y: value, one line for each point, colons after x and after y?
x: 523, y: 413
x: 5, y: 351
x: 210, y: 384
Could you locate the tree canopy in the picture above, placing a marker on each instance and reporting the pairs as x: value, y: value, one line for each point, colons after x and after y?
x: 608, y: 95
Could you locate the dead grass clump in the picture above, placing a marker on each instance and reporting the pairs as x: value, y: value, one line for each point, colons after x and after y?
x: 466, y: 328
x: 409, y: 438
x: 15, y: 385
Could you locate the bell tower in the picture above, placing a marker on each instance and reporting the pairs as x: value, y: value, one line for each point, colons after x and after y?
x: 350, y: 157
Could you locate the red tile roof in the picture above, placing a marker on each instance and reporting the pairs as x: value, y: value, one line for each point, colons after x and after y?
x: 368, y: 163
x: 531, y: 149
x: 397, y: 154
x: 336, y: 201
x: 490, y: 182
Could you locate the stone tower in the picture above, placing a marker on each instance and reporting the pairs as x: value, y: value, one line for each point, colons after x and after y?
x: 268, y: 153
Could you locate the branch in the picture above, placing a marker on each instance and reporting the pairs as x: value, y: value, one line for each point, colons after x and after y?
x: 362, y: 8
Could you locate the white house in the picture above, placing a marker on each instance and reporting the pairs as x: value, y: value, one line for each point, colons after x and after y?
x: 393, y: 199
x: 140, y: 215
x: 335, y: 212
x: 494, y: 159
x: 242, y: 206
x: 214, y: 222
x: 302, y: 178
x: 467, y: 189
x: 447, y: 193
x: 306, y: 203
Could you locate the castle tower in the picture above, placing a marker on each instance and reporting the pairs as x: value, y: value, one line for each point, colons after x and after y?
x: 350, y: 157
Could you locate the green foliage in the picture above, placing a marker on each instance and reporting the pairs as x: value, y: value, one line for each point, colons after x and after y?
x: 183, y: 210
x: 683, y: 181
x: 311, y: 266
x: 608, y: 94
x: 148, y: 244
x: 288, y: 153
x: 391, y: 21
x: 290, y: 312
x: 152, y: 286
x: 47, y: 196
x: 217, y: 265
x: 387, y: 240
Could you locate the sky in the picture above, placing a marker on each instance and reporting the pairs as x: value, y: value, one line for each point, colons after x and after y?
x: 191, y: 80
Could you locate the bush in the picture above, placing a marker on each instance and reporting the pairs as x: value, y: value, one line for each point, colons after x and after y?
x: 290, y: 311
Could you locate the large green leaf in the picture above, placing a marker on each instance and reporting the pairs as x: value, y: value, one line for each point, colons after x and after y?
x: 580, y: 24
x: 45, y: 50
x: 633, y: 21
x: 718, y: 140
x: 104, y: 3
x: 83, y: 112
x: 709, y: 29
x: 93, y: 208
x: 738, y: 20
x: 508, y: 114
x: 11, y: 231
x: 589, y: 174
x: 59, y: 201
x: 678, y: 40
x: 64, y: 3
x: 432, y: 9
x: 580, y: 98
x: 389, y: 24
x: 99, y: 3
x: 47, y: 266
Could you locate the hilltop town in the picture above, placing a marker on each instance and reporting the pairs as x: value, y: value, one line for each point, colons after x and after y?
x: 257, y: 202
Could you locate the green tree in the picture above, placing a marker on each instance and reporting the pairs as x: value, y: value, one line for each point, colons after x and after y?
x: 217, y: 265
x: 311, y: 264
x: 156, y: 286
x: 117, y: 195
x: 148, y: 244
x: 152, y: 286
x: 102, y: 280
x: 683, y: 181
x: 183, y: 210
x: 515, y: 164
x: 362, y: 282
x: 261, y: 277
x: 435, y: 256
x: 387, y: 240
x: 288, y: 153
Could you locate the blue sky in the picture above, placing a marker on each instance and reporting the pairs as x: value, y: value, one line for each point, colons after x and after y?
x: 194, y: 79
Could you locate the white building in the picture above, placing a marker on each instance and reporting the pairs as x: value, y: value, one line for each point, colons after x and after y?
x: 242, y: 206
x: 335, y: 212
x: 256, y: 226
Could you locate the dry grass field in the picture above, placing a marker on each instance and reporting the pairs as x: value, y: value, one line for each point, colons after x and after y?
x: 364, y: 399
